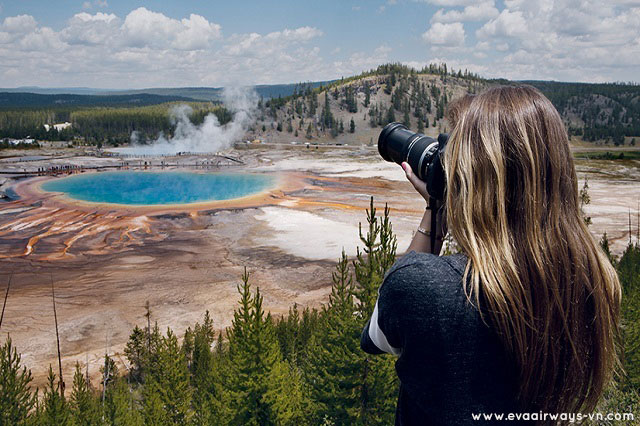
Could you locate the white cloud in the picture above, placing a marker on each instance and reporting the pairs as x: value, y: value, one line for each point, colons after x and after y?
x: 144, y: 28
x: 576, y: 40
x: 84, y: 28
x: 19, y: 24
x: 445, y: 34
x: 507, y: 24
x: 474, y: 12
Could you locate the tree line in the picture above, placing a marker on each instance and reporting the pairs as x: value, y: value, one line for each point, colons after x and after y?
x: 98, y: 125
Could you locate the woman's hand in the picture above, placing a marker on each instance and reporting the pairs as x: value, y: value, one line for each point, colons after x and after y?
x: 418, y: 184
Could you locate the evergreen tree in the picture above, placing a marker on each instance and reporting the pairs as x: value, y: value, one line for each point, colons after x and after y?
x: 367, y: 94
x: 169, y: 379
x: 288, y: 395
x: 584, y: 200
x: 120, y: 408
x: 16, y: 399
x: 333, y: 368
x: 83, y: 404
x: 629, y: 273
x: 391, y: 116
x: 153, y: 411
x: 136, y: 352
x: 253, y: 353
x: 379, y: 382
x: 406, y: 120
x: 207, y: 393
x: 352, y: 126
x: 55, y: 410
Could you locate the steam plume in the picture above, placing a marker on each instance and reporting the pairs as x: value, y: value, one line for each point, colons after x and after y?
x: 210, y: 136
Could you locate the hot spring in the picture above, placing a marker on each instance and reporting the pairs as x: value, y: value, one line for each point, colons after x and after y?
x: 157, y: 188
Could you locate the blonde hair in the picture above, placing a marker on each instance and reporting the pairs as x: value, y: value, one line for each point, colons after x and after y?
x: 533, y: 268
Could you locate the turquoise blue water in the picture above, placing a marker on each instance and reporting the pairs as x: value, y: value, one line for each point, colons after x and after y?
x: 152, y: 188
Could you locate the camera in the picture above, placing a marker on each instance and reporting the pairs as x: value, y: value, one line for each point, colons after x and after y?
x: 397, y: 144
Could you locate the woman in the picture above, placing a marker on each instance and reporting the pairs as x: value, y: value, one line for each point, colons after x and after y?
x: 525, y: 318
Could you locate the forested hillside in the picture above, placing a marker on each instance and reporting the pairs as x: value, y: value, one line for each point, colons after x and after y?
x: 32, y: 100
x: 353, y: 110
x: 596, y: 111
x: 100, y: 125
x: 350, y: 110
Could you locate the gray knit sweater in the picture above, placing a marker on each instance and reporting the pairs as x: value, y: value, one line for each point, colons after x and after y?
x: 450, y: 364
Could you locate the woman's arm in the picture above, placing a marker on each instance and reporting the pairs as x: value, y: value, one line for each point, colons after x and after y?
x: 421, y: 239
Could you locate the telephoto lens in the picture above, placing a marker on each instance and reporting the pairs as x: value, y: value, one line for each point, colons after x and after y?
x: 398, y: 144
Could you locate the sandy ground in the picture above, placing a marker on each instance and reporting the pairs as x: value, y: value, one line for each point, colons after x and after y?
x: 106, y: 262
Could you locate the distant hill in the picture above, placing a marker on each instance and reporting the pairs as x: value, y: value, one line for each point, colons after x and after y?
x: 175, y: 93
x: 596, y: 111
x: 53, y: 90
x: 349, y: 111
x: 608, y: 112
x: 32, y: 100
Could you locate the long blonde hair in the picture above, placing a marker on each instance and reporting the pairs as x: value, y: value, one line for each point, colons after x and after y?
x: 533, y: 267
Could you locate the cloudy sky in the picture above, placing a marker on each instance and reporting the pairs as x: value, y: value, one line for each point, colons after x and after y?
x: 135, y: 44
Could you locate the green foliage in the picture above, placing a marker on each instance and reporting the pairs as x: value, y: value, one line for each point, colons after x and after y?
x: 55, y: 409
x: 120, y: 408
x: 629, y: 273
x: 16, y: 399
x: 168, y: 378
x: 584, y: 200
x: 136, y: 352
x: 253, y: 353
x: 83, y: 403
x: 349, y: 386
x: 102, y: 124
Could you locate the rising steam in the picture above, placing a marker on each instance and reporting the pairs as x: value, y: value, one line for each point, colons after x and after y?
x: 210, y: 136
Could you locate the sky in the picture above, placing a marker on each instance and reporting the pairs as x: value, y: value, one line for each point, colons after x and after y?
x: 117, y: 44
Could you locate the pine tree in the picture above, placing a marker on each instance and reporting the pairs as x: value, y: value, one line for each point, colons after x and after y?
x: 288, y: 395
x: 253, y: 353
x: 55, y: 410
x: 153, y: 411
x: 207, y: 389
x: 333, y: 368
x: 391, y: 116
x: 16, y: 399
x: 584, y: 200
x: 379, y: 381
x: 352, y: 126
x: 170, y: 378
x: 629, y: 273
x: 136, y: 352
x: 83, y: 404
x: 120, y: 408
x: 367, y: 94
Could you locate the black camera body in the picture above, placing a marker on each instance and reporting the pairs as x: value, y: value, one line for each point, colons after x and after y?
x: 398, y: 144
